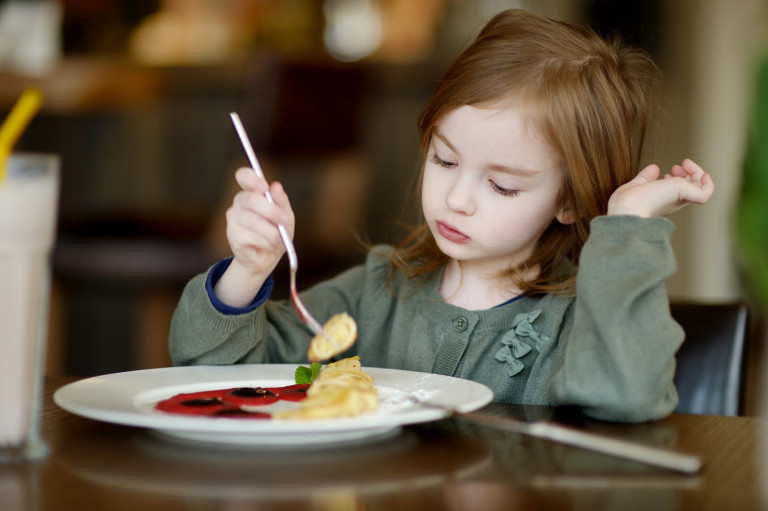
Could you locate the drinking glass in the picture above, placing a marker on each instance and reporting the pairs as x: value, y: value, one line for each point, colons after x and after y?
x: 28, y: 209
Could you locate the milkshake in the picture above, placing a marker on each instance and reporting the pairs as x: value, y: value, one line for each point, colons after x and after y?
x: 28, y: 206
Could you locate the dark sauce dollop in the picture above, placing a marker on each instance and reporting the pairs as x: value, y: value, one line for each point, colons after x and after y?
x: 252, y: 392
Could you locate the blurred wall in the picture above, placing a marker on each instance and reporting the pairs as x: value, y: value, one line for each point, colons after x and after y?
x: 713, y: 48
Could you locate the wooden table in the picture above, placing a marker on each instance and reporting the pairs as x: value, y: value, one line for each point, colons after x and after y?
x: 446, y: 465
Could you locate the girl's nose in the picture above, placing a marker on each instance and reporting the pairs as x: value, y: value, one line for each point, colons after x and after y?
x: 460, y: 197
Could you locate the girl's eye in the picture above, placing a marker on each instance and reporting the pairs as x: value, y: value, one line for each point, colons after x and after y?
x: 506, y: 192
x: 443, y: 163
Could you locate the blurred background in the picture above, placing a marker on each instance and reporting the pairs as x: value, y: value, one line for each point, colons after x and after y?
x: 138, y: 94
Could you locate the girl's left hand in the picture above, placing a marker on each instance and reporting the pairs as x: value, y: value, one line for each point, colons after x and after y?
x: 647, y: 195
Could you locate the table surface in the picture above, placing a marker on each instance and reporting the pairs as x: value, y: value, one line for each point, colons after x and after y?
x: 444, y: 465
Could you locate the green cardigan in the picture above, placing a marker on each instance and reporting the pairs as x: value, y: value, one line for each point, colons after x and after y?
x: 609, y: 350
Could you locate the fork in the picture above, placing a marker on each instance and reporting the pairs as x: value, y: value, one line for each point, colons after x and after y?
x: 293, y: 261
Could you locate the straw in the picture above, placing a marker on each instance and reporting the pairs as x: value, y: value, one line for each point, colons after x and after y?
x: 16, y: 122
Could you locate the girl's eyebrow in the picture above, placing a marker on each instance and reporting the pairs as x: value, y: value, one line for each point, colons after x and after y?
x: 519, y: 171
x: 436, y: 132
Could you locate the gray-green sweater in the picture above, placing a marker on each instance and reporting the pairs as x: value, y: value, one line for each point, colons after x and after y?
x: 609, y: 350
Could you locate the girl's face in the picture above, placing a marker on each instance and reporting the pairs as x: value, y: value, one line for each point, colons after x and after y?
x: 490, y: 186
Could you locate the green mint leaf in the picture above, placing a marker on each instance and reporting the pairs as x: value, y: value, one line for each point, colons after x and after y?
x: 315, y: 367
x: 306, y: 375
x: 303, y: 375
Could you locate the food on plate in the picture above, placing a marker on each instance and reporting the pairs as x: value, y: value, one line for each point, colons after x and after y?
x: 294, y: 392
x: 342, y: 389
x: 342, y: 331
x: 229, y: 402
x: 251, y: 396
x: 347, y: 372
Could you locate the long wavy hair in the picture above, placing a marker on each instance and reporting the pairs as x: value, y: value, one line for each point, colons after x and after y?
x: 591, y: 98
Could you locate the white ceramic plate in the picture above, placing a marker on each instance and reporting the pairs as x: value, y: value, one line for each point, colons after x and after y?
x: 129, y: 398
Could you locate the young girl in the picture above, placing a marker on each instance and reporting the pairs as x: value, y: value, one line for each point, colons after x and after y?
x: 532, y: 141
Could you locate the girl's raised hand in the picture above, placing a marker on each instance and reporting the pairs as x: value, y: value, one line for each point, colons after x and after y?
x: 647, y: 195
x: 253, y: 237
x: 252, y: 222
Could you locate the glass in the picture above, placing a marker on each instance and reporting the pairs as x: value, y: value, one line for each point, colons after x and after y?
x: 28, y: 211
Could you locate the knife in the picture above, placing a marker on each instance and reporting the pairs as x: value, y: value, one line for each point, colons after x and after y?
x: 656, y: 456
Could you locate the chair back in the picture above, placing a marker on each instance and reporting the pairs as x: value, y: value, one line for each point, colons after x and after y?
x: 711, y: 363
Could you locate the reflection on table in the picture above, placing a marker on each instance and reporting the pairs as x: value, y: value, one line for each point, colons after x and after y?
x: 447, y: 464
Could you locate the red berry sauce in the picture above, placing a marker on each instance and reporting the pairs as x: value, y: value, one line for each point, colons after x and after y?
x: 228, y: 402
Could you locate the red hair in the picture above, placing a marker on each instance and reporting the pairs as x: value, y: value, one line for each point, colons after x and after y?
x: 590, y: 98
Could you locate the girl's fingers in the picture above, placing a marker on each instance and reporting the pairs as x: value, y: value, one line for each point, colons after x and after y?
x: 696, y: 174
x: 677, y: 171
x: 649, y: 173
x: 692, y: 167
x: 278, y: 194
x: 253, y: 196
x: 250, y: 181
x: 258, y: 204
x: 693, y: 171
x: 252, y: 232
x: 252, y: 222
x: 707, y: 188
x: 283, y: 202
x: 245, y: 177
x: 700, y: 186
x: 647, y: 195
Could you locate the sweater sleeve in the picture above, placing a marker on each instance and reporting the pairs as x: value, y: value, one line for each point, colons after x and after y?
x: 201, y: 333
x: 619, y: 361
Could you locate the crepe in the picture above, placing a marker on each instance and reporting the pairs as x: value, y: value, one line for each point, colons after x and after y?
x: 342, y: 389
x: 342, y: 329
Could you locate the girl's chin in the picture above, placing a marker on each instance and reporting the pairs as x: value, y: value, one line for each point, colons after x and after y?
x: 464, y: 255
x: 455, y: 251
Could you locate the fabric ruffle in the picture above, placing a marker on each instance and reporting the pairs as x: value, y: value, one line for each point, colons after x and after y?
x: 514, y: 348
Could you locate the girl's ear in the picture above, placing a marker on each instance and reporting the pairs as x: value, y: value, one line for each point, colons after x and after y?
x: 565, y: 216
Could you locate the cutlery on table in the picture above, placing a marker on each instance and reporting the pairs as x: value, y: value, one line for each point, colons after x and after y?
x: 647, y: 454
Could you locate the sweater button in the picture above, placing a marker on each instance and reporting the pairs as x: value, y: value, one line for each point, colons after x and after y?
x: 460, y: 323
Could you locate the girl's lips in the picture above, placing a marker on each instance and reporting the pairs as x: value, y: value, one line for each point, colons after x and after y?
x: 451, y: 234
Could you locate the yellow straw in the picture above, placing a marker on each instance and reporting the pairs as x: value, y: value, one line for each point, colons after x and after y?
x: 16, y: 122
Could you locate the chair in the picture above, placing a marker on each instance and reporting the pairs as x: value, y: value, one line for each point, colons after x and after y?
x: 711, y: 363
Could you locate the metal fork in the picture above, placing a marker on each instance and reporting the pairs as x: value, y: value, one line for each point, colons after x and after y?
x: 293, y: 261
